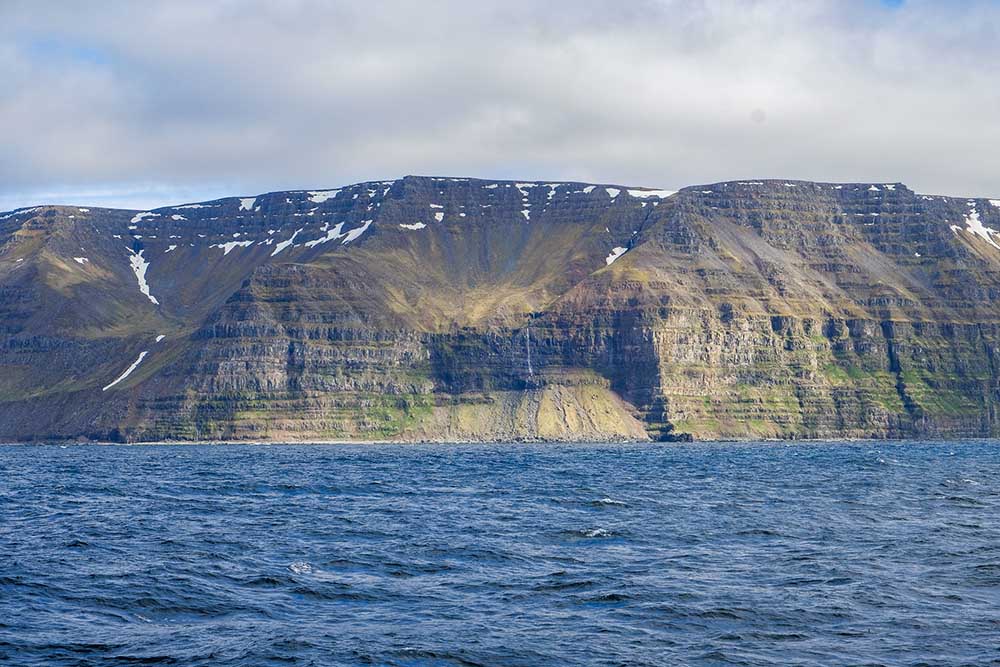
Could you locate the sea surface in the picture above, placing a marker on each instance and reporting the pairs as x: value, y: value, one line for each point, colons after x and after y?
x: 697, y: 554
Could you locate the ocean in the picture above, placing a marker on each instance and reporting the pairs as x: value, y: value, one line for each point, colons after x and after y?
x: 869, y: 553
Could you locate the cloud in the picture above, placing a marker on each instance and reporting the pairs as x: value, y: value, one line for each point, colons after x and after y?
x: 188, y: 96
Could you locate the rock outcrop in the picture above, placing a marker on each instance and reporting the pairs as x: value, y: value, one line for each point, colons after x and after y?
x: 461, y: 309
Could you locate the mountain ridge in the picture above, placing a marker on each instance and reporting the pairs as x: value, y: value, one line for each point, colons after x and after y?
x: 436, y: 308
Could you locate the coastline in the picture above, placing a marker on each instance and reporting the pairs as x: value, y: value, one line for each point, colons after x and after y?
x: 512, y: 443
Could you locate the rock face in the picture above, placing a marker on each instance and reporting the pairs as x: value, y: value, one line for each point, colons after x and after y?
x: 444, y: 309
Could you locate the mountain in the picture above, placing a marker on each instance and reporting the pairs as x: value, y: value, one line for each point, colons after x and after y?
x: 462, y: 309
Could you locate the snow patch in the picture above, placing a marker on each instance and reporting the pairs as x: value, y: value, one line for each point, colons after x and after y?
x: 170, y: 249
x: 137, y: 218
x: 83, y: 210
x: 995, y: 202
x: 160, y: 337
x: 873, y: 188
x: 177, y: 217
x: 355, y: 233
x: 228, y: 247
x: 21, y: 212
x: 974, y: 224
x: 527, y: 214
x: 522, y: 187
x: 320, y: 196
x: 436, y: 206
x: 139, y: 268
x: 128, y: 371
x: 246, y: 204
x: 81, y: 260
x: 439, y: 216
x: 284, y: 244
x: 590, y: 188
x: 615, y: 254
x: 612, y: 192
x: 331, y: 235
x: 415, y: 225
x: 177, y: 208
x: 643, y: 194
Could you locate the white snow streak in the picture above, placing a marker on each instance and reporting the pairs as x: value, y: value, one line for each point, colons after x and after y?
x: 247, y: 203
x: 228, y: 247
x: 284, y: 244
x: 21, y: 212
x: 145, y: 214
x: 355, y: 233
x: 139, y: 268
x: 975, y: 225
x: 331, y: 235
x: 612, y: 192
x: 80, y: 260
x: 521, y: 187
x: 415, y: 225
x: 160, y: 337
x: 128, y: 371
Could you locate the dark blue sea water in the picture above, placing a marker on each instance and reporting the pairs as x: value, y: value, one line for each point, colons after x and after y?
x: 755, y: 554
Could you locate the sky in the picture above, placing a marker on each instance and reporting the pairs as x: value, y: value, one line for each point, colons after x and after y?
x: 141, y: 104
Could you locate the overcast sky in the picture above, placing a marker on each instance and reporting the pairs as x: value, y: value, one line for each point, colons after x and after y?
x: 140, y: 103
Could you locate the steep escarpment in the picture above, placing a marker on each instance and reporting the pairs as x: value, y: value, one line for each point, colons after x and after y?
x: 441, y: 309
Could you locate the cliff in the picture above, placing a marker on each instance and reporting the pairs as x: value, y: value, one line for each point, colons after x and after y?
x: 448, y: 308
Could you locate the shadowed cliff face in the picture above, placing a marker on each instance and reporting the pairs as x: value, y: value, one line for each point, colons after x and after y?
x: 431, y: 308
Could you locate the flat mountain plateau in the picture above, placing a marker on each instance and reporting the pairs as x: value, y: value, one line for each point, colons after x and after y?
x: 462, y: 309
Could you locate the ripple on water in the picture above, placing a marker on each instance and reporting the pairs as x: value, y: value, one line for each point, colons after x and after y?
x: 753, y: 554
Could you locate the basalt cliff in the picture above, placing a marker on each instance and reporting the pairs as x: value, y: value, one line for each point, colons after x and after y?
x: 462, y: 309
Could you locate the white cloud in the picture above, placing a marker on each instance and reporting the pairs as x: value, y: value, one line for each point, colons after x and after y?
x: 299, y: 94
